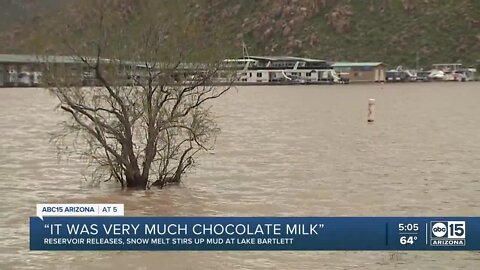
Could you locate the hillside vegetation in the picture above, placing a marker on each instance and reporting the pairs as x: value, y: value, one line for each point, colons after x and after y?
x: 392, y: 31
x: 18, y: 17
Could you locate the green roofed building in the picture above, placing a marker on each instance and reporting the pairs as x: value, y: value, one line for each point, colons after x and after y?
x: 34, y: 59
x: 25, y: 70
x: 361, y: 71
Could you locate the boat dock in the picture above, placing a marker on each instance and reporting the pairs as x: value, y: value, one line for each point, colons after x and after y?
x: 28, y: 71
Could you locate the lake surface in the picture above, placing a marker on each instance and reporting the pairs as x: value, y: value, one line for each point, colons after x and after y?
x: 283, y: 151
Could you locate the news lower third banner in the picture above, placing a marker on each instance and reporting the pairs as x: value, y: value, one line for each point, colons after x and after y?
x: 114, y: 232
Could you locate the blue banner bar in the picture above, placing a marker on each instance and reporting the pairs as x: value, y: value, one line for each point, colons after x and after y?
x: 255, y: 233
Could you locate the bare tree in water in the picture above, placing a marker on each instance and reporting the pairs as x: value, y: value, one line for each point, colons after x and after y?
x: 147, y: 118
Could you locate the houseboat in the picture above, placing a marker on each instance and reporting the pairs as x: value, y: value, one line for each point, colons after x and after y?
x: 423, y: 76
x: 283, y: 70
x: 453, y: 72
x: 23, y: 78
x: 400, y: 75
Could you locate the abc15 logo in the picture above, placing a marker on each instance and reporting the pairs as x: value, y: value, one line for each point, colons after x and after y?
x: 448, y: 229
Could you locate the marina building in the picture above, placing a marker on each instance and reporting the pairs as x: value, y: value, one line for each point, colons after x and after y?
x: 362, y: 71
x: 27, y: 70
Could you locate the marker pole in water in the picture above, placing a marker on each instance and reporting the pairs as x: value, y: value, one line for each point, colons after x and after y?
x: 371, y: 110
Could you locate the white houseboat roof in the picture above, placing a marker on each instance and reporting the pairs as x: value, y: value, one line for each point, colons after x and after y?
x: 356, y: 64
x: 447, y: 65
x: 239, y: 60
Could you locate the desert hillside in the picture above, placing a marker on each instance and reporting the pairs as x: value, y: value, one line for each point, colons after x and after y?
x: 393, y: 31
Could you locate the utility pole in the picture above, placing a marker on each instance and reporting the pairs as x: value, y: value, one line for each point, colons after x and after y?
x: 417, y: 60
x: 245, y: 51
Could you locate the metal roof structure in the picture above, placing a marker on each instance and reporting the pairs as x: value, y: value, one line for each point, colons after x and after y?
x: 285, y: 58
x: 27, y: 59
x: 56, y: 59
x: 42, y: 59
x: 356, y: 64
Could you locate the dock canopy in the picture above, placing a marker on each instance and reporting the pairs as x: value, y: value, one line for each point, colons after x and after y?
x: 285, y: 58
x: 33, y: 59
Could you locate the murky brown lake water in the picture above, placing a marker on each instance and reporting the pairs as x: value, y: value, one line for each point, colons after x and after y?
x: 283, y: 151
